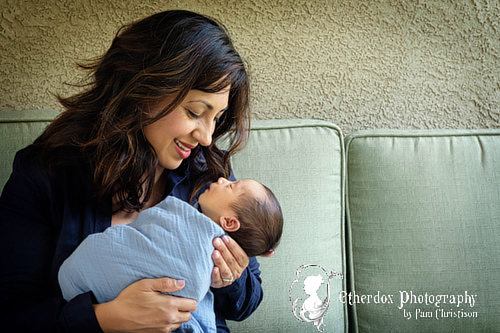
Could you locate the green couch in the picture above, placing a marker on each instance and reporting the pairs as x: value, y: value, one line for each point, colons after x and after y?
x: 390, y: 230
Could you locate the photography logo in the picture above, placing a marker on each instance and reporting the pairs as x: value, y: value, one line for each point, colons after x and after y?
x: 310, y: 294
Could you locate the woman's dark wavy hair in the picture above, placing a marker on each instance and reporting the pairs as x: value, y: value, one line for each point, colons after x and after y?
x: 166, y: 54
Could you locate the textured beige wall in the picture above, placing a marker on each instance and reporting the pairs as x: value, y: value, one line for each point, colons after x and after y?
x: 359, y: 64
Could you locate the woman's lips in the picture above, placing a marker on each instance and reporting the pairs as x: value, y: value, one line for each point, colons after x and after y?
x: 183, y: 149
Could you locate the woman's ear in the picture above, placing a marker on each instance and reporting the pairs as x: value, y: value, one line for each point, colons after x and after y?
x: 229, y: 223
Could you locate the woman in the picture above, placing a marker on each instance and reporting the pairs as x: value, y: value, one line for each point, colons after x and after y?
x: 146, y: 126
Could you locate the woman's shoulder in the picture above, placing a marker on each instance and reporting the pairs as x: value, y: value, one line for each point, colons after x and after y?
x: 35, y: 158
x: 27, y: 163
x: 30, y: 166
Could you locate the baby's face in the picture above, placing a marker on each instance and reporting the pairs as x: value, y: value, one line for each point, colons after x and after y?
x: 216, y: 201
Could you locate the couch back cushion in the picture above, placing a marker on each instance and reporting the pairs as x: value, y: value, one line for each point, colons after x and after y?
x: 423, y: 229
x: 302, y: 163
x: 17, y: 130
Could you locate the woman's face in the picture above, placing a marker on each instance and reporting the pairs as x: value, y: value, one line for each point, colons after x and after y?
x: 189, y: 124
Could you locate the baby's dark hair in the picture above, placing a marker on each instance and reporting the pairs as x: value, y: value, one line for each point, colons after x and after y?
x: 261, y: 223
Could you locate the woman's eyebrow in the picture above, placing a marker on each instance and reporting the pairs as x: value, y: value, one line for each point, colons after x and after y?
x: 209, y: 106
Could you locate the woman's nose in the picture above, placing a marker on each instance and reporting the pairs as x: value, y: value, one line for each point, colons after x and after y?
x: 203, y: 134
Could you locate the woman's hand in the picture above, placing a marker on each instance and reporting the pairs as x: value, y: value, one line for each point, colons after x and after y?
x: 142, y: 308
x: 230, y: 261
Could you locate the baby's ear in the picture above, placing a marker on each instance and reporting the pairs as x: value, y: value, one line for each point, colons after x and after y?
x: 229, y: 223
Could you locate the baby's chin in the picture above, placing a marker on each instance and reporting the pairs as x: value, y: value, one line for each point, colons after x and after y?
x: 201, y: 201
x: 200, y: 204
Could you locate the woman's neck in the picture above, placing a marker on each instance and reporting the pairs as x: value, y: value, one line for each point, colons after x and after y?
x: 158, y: 187
x: 125, y: 217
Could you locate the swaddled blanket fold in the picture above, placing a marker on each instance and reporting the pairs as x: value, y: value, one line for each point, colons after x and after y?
x: 171, y: 239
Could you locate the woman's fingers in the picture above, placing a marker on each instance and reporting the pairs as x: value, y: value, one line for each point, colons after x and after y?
x: 239, y: 258
x: 229, y: 260
x: 165, y: 285
x: 143, y: 307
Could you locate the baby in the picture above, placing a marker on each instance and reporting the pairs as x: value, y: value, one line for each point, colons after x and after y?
x: 173, y: 239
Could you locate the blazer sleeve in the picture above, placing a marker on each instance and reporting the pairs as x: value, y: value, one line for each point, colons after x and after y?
x: 240, y: 299
x: 30, y: 299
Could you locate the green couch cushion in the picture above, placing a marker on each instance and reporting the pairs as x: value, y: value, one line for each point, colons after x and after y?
x: 302, y: 163
x: 17, y: 130
x: 423, y: 216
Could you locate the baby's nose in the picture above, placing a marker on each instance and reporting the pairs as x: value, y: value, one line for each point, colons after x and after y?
x: 222, y: 180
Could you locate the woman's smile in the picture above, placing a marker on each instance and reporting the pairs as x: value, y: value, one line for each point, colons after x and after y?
x: 183, y: 149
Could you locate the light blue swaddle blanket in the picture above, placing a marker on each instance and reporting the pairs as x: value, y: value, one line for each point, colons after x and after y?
x: 171, y: 239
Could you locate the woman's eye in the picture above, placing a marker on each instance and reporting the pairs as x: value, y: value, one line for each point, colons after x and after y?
x: 193, y: 115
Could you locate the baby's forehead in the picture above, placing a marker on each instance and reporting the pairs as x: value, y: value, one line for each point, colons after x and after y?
x: 253, y: 189
x: 250, y: 183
